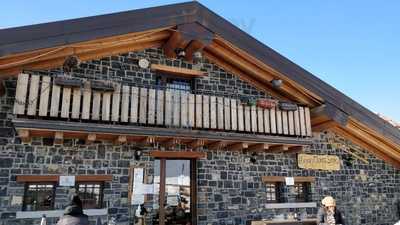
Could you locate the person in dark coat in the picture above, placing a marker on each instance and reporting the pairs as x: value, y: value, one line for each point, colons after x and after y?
x: 328, y: 213
x: 73, y: 214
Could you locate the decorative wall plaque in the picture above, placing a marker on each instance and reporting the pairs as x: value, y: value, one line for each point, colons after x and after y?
x: 318, y: 162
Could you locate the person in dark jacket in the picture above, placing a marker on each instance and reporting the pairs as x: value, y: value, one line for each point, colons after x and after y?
x: 73, y: 214
x: 328, y: 213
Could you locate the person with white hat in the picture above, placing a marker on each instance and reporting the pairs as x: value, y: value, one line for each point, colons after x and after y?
x: 328, y: 213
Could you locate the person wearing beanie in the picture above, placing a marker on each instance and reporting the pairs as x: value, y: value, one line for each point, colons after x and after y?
x: 73, y: 214
x: 328, y: 213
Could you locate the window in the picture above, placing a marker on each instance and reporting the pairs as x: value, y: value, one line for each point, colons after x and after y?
x: 171, y: 83
x: 272, y: 192
x: 302, y: 191
x: 91, y: 194
x: 39, y: 196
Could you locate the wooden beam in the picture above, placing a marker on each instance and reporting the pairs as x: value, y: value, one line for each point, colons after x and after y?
x: 261, y: 147
x: 193, y: 47
x: 24, y: 135
x: 175, y: 41
x: 121, y: 139
x: 90, y: 138
x: 196, y: 144
x: 183, y: 72
x: 278, y: 149
x: 237, y: 147
x: 217, y: 145
x: 294, y: 150
x: 329, y: 112
x: 178, y: 154
x: 55, y: 178
x: 58, y: 137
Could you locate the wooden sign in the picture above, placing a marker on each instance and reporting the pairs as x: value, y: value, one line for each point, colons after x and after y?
x: 287, y: 106
x: 318, y: 162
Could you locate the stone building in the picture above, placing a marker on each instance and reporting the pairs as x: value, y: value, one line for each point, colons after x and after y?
x: 231, y: 132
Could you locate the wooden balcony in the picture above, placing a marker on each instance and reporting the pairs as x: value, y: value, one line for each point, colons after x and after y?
x: 41, y: 98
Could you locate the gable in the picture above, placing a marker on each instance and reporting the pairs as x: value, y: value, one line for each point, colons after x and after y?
x: 46, y: 46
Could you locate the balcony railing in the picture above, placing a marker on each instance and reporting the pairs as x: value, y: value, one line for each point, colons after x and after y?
x: 40, y: 97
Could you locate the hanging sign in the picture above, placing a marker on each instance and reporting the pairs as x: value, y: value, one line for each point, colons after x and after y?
x: 318, y: 162
x: 267, y: 103
x: 287, y: 106
x: 67, y: 181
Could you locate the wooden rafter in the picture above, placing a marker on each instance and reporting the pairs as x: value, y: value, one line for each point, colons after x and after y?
x: 260, y: 147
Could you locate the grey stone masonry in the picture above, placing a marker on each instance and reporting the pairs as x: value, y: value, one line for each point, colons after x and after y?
x: 229, y: 186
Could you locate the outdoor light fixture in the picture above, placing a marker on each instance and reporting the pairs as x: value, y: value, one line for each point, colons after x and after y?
x: 276, y: 83
x: 138, y: 154
x: 180, y: 53
x: 253, y: 158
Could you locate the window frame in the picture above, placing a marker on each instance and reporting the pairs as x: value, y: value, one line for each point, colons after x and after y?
x: 305, y: 195
x: 100, y: 204
x: 26, y: 189
x: 277, y: 192
x: 162, y: 82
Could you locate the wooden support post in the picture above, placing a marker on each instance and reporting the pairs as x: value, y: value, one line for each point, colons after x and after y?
x: 258, y: 147
x: 196, y: 144
x: 121, y: 139
x: 58, y: 137
x: 170, y: 143
x: 237, y: 147
x: 278, y: 148
x: 24, y: 135
x: 218, y: 145
x: 90, y: 138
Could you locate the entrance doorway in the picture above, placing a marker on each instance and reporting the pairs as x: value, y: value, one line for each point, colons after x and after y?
x: 175, y: 192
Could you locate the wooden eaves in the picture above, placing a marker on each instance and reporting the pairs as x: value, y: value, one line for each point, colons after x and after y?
x: 232, y: 49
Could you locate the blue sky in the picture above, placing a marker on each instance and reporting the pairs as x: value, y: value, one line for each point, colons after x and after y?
x: 353, y: 45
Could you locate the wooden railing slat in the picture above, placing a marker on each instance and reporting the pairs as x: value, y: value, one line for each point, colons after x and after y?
x: 297, y: 122
x: 87, y: 96
x: 267, y: 124
x: 260, y: 116
x: 134, y: 105
x: 279, y: 129
x: 160, y: 107
x: 143, y: 105
x: 76, y: 103
x: 44, y: 96
x: 65, y: 102
x: 247, y: 118
x: 234, y: 114
x: 291, y: 122
x: 253, y: 111
x: 308, y: 121
x: 206, y: 111
x: 220, y: 113
x: 184, y: 109
x: 176, y: 101
x: 240, y: 116
x: 125, y: 104
x: 168, y: 108
x: 20, y: 95
x: 152, y: 107
x: 213, y: 112
x: 116, y: 102
x: 227, y: 111
x: 199, y: 111
x: 96, y: 105
x: 105, y: 111
x: 285, y: 122
x: 273, y: 120
x: 302, y: 122
x: 191, y: 110
x: 33, y: 95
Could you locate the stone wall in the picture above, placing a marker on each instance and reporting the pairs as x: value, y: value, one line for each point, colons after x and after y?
x: 230, y: 190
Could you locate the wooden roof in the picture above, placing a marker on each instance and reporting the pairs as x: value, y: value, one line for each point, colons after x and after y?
x: 46, y: 46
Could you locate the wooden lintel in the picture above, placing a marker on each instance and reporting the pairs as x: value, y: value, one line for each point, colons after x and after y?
x: 278, y: 148
x: 218, y: 145
x: 183, y: 72
x: 90, y: 138
x: 24, y: 135
x: 258, y: 147
x: 55, y: 178
x: 237, y: 147
x: 58, y: 137
x: 121, y: 139
x: 282, y: 179
x: 171, y: 143
x: 178, y: 154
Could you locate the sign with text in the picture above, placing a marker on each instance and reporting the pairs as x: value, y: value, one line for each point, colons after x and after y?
x: 67, y: 181
x: 318, y: 162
